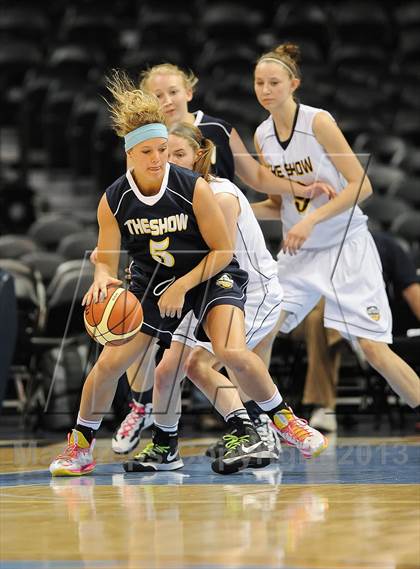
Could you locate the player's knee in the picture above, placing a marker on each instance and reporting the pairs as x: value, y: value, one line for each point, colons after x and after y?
x: 196, y: 368
x: 108, y: 369
x: 235, y: 359
x: 375, y: 352
x: 164, y: 375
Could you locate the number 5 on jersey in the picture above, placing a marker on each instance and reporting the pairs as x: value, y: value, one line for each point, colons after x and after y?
x: 160, y: 254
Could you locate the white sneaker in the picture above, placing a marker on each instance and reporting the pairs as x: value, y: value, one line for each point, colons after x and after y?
x: 77, y: 458
x: 324, y: 419
x: 268, y: 434
x: 127, y: 436
x: 296, y: 432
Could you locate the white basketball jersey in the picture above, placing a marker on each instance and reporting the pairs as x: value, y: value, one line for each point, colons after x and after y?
x: 304, y: 160
x: 250, y: 249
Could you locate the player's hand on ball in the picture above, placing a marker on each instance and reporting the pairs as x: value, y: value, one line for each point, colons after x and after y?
x: 172, y: 300
x: 320, y: 189
x: 297, y: 236
x: 98, y: 291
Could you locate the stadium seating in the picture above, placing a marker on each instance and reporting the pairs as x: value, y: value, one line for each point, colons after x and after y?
x: 360, y: 61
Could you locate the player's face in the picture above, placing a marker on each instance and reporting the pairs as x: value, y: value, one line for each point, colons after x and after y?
x: 172, y: 95
x: 149, y: 160
x: 180, y: 152
x: 273, y: 85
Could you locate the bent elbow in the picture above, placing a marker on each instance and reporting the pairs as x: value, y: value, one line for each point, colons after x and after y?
x: 366, y: 190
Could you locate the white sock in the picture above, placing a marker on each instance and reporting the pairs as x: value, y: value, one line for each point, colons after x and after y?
x: 271, y: 403
x: 94, y: 425
x: 168, y: 428
x: 241, y: 413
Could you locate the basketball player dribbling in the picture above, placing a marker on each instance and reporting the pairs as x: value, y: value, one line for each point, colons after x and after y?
x: 174, y: 89
x: 190, y: 149
x: 327, y: 249
x: 168, y: 220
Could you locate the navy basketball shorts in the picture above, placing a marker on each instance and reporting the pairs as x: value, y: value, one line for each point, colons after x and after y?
x: 226, y: 288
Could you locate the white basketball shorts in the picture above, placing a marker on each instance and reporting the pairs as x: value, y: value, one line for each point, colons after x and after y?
x: 350, y: 278
x: 262, y: 311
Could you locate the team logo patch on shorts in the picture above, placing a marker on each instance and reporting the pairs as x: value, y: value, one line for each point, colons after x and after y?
x: 373, y: 312
x: 225, y: 281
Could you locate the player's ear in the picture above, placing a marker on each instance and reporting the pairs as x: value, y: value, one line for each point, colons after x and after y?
x: 189, y: 94
x: 295, y: 84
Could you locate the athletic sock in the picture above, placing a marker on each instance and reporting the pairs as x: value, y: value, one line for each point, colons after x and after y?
x: 87, y: 428
x: 254, y: 410
x: 161, y: 437
x: 238, y: 421
x: 166, y: 428
x: 239, y: 414
x: 273, y: 405
x: 143, y: 397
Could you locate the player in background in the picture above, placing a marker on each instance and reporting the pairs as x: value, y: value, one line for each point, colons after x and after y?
x: 327, y: 250
x: 197, y: 359
x: 174, y: 89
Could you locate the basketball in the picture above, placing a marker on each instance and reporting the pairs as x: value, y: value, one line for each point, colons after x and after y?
x: 116, y: 320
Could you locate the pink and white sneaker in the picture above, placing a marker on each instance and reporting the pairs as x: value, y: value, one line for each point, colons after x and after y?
x: 77, y: 458
x: 296, y: 432
x: 127, y: 437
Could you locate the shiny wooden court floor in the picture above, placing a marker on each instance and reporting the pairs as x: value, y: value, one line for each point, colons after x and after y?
x: 355, y: 507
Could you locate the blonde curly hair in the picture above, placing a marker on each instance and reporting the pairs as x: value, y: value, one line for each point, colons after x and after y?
x: 131, y: 107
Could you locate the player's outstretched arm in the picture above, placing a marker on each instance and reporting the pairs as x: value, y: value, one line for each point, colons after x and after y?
x: 262, y: 180
x: 107, y: 256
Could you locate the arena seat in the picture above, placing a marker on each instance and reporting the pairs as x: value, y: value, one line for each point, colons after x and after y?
x: 14, y: 246
x: 362, y: 23
x: 407, y: 225
x: 306, y: 19
x: 387, y: 149
x: 385, y: 179
x: 46, y: 262
x: 409, y: 190
x: 77, y: 245
x: 384, y: 209
x: 50, y: 228
x: 230, y: 21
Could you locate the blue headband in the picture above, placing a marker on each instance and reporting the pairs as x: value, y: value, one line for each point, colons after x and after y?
x: 154, y: 130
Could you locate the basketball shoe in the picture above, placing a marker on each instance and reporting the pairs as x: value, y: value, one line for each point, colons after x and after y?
x: 243, y: 449
x: 77, y: 458
x: 161, y: 454
x: 268, y: 434
x: 127, y: 436
x: 296, y: 432
x: 264, y: 427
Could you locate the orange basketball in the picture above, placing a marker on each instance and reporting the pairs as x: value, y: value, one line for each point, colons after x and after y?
x: 116, y: 320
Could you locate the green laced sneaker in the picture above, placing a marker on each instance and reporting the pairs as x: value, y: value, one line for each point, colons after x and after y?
x: 156, y: 457
x: 244, y: 449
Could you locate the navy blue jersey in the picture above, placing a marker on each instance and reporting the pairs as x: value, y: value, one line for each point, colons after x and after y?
x: 218, y: 131
x: 159, y: 232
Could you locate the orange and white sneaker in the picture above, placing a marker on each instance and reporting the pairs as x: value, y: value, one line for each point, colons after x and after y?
x: 77, y: 458
x: 296, y: 432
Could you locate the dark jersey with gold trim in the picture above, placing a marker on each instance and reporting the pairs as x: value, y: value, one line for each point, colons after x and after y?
x: 162, y: 238
x: 218, y: 131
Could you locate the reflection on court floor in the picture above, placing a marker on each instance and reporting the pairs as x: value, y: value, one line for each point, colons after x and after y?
x: 356, y: 507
